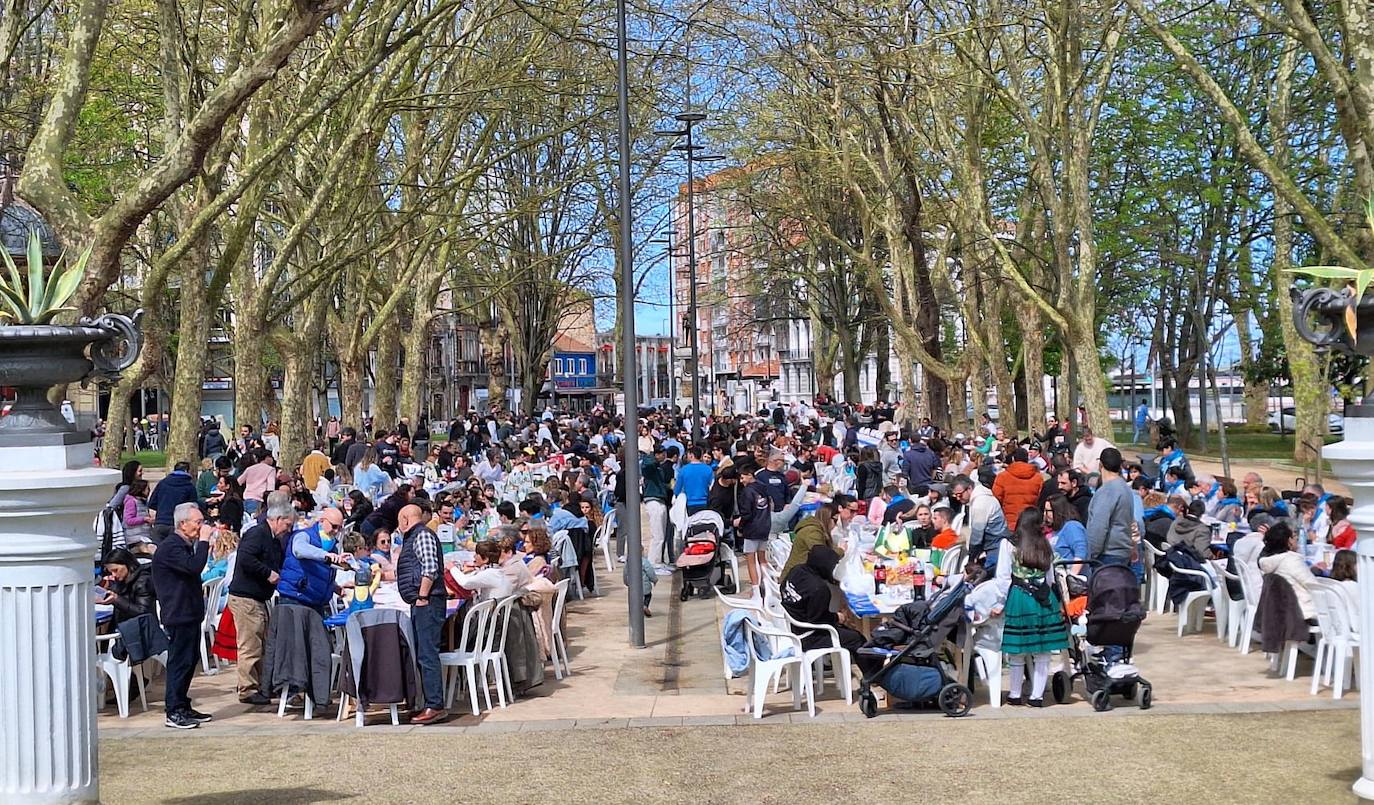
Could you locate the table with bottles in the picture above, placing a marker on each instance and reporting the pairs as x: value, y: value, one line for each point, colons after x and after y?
x: 889, y: 582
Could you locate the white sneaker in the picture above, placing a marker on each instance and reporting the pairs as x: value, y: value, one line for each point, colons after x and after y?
x: 663, y: 570
x: 621, y: 559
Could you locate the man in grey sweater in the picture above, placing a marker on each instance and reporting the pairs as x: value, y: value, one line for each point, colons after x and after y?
x: 1110, y: 514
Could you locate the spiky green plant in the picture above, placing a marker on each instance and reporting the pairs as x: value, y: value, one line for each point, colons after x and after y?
x: 43, y: 296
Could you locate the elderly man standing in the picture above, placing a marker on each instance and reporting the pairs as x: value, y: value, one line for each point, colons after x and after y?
x: 418, y: 580
x: 307, y: 572
x: 256, y: 573
x: 177, y: 566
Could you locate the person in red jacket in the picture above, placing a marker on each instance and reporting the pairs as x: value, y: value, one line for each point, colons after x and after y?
x: 1017, y: 487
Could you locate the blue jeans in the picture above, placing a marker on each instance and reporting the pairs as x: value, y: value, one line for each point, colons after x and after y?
x: 428, y: 622
x: 251, y: 506
x: 1140, y: 430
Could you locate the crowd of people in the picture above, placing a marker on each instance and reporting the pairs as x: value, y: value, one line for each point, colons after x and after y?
x: 505, y: 487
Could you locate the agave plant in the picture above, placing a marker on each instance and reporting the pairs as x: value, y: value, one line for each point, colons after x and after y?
x: 43, y: 296
x: 1358, y: 278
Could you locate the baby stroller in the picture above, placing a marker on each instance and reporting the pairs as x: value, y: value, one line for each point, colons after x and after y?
x: 701, y: 564
x: 1113, y: 617
x: 915, y: 634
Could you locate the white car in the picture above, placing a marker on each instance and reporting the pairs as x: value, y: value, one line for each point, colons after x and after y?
x: 1335, y: 423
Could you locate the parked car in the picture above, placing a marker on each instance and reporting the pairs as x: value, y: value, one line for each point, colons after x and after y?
x: 1287, y: 421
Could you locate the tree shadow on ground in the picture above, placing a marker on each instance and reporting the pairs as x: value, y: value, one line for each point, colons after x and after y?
x: 277, y: 796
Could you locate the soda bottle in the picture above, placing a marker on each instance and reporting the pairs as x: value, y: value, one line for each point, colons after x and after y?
x: 919, y: 581
x: 879, y: 579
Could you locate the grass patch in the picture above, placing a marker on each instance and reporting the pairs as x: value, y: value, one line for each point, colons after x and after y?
x: 148, y: 458
x: 1269, y: 446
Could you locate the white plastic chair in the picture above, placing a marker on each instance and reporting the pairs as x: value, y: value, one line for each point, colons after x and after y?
x: 210, y: 591
x: 1194, y: 607
x: 1159, y: 590
x: 1250, y: 583
x: 558, y: 649
x: 119, y: 672
x: 493, y: 655
x: 606, y: 536
x: 1236, y: 611
x: 752, y: 605
x: 729, y: 555
x: 465, y: 660
x: 952, y: 563
x: 815, y: 658
x: 762, y: 672
x: 1338, y: 644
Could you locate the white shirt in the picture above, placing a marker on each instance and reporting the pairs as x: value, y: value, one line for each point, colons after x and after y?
x: 322, y: 490
x: 488, y: 582
x: 1088, y: 458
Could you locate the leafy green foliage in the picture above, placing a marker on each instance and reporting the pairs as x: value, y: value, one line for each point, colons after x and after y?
x: 41, y: 298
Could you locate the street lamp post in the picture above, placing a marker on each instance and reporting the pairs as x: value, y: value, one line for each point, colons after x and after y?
x: 689, y: 121
x: 634, y: 547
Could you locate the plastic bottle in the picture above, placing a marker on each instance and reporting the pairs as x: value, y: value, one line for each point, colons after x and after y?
x: 879, y: 579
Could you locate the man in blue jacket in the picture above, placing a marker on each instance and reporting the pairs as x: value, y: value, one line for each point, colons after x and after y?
x: 177, y: 565
x: 921, y: 463
x: 307, y: 570
x: 177, y: 488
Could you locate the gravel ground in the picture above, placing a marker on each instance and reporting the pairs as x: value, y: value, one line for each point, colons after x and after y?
x: 1296, y: 757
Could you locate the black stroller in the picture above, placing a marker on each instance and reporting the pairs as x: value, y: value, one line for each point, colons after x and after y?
x: 701, y: 562
x: 915, y: 634
x: 1114, y: 615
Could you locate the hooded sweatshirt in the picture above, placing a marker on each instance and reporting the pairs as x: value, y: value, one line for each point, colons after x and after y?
x: 1017, y: 488
x: 921, y: 463
x: 806, y: 593
x: 1193, y: 533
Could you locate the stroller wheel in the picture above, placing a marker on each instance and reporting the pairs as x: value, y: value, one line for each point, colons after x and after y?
x: 1102, y: 701
x: 729, y: 587
x: 685, y: 593
x: 1146, y: 697
x: 1061, y: 685
x: 868, y: 704
x: 955, y: 700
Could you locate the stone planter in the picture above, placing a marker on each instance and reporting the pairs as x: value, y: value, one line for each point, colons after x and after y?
x: 34, y: 358
x: 49, y: 496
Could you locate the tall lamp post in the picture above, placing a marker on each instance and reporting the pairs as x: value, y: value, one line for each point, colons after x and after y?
x: 634, y: 547
x: 688, y: 147
x: 1352, y: 460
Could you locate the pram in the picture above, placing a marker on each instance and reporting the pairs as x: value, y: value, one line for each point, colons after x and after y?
x: 701, y: 564
x: 1113, y: 617
x: 915, y: 635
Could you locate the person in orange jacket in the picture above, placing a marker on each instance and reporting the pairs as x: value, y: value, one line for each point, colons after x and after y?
x: 1018, y: 487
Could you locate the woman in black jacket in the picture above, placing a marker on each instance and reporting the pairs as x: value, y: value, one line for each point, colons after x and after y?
x: 228, y: 511
x: 357, y: 507
x: 128, y: 586
x: 868, y: 482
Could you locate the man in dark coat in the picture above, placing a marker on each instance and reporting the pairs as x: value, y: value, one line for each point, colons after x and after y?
x: 177, y: 566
